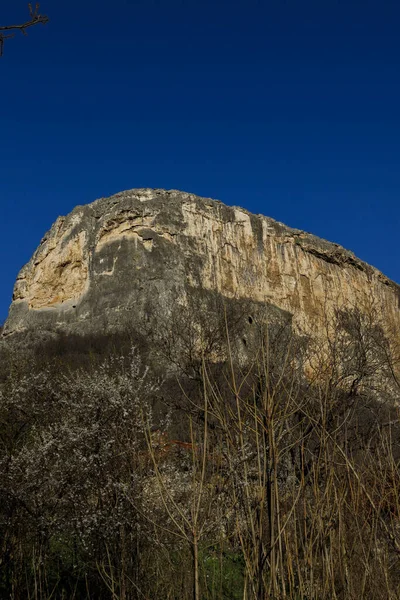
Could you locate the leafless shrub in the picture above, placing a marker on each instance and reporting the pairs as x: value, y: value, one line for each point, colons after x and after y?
x: 283, y: 482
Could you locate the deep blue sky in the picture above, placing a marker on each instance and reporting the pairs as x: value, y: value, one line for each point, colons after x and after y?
x: 288, y: 108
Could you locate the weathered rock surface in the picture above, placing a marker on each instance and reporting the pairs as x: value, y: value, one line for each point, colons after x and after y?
x: 108, y: 261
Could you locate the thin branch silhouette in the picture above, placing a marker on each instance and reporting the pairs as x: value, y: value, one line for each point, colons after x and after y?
x: 35, y: 18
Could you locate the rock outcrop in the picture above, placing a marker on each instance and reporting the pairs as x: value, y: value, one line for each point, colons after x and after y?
x: 108, y: 260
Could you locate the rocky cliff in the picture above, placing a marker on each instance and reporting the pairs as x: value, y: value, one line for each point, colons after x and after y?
x: 108, y: 260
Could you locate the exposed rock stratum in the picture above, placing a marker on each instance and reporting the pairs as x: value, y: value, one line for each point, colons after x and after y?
x: 108, y: 260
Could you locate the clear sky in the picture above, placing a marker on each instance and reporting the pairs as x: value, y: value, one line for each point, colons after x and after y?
x: 288, y: 108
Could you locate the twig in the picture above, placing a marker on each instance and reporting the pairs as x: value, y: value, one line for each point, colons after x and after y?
x: 35, y: 18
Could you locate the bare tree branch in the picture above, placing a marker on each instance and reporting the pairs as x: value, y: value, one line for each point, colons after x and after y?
x: 35, y: 18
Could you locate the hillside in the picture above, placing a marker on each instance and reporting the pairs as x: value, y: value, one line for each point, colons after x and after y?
x: 198, y: 403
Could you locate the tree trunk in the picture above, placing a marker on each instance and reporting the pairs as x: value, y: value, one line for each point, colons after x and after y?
x: 196, y: 579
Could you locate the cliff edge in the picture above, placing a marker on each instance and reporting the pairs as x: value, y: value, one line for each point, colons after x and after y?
x: 106, y: 261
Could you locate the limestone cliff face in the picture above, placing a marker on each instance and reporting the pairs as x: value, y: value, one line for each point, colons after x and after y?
x: 107, y: 260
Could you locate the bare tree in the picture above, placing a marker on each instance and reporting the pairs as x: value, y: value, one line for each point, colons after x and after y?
x: 284, y: 485
x: 35, y: 18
